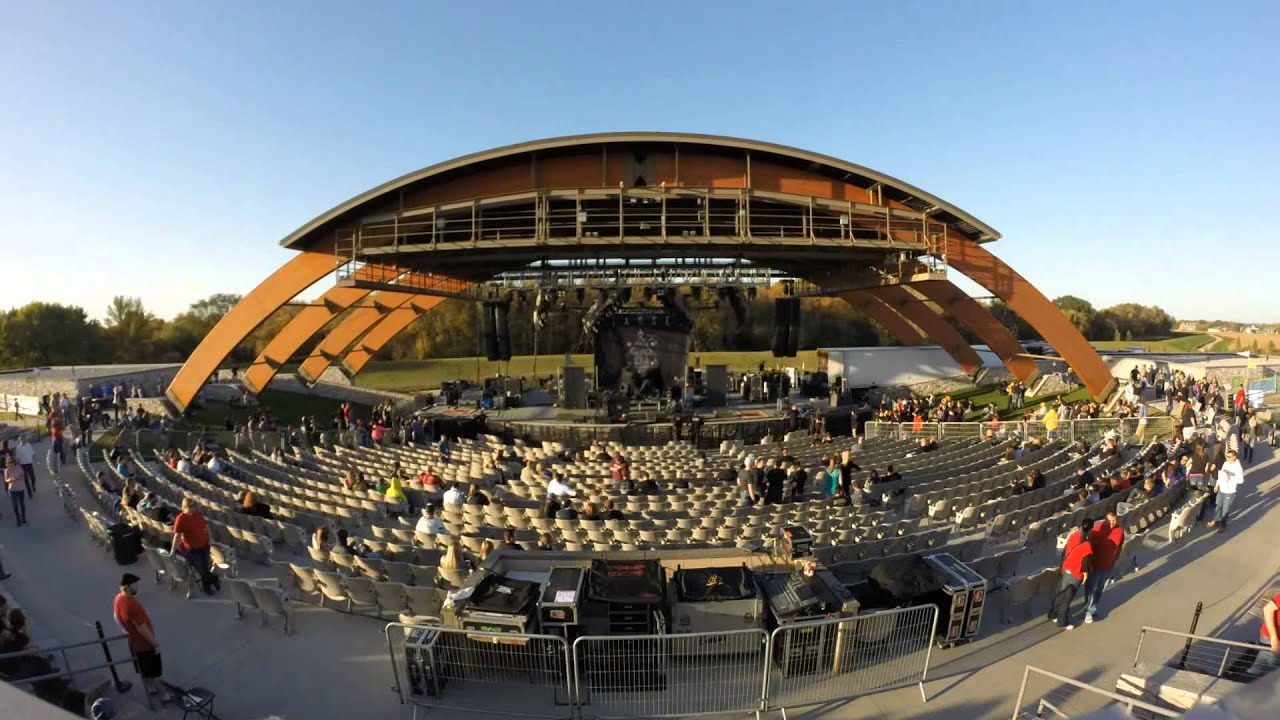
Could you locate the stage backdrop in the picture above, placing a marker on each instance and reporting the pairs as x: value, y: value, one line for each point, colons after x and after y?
x: 634, y: 341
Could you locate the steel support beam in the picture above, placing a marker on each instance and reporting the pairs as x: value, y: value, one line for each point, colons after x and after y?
x: 886, y: 317
x: 911, y: 306
x: 1003, y: 281
x: 968, y: 312
x: 387, y: 328
x: 279, y: 288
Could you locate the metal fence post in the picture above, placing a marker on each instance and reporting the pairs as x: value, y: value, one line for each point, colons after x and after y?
x: 1195, y: 620
x: 121, y: 685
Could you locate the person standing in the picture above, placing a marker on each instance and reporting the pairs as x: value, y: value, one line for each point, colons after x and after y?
x: 13, y: 482
x: 1269, y: 638
x: 1230, y: 476
x: 1077, y: 564
x: 25, y: 455
x: 133, y: 619
x: 191, y: 534
x: 1106, y: 539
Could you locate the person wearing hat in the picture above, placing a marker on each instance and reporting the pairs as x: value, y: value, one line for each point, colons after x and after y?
x: 133, y: 619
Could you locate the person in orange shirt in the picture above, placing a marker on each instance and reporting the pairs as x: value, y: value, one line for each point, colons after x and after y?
x: 1077, y: 563
x: 1106, y: 538
x: 135, y: 622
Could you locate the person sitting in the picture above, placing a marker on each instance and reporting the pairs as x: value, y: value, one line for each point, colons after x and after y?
x: 1082, y: 500
x: 214, y: 465
x: 1144, y: 493
x: 130, y: 494
x: 475, y: 496
x: 566, y: 512
x: 452, y: 558
x: 429, y: 480
x: 509, y: 540
x: 589, y: 512
x: 320, y: 540
x: 486, y: 549
x: 429, y: 523
x: 550, y: 507
x: 56, y: 690
x: 558, y: 486
x: 647, y: 485
x: 611, y: 512
x: 252, y: 505
x: 394, y: 492
x: 545, y: 541
x: 108, y: 485
x: 857, y: 496
x: 453, y: 496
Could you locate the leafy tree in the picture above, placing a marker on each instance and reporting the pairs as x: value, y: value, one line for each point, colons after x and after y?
x: 1117, y: 337
x: 1020, y: 328
x: 131, y: 331
x: 41, y: 333
x: 1080, y: 312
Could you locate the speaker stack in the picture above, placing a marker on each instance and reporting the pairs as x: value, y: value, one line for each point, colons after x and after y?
x: 786, y: 327
x: 497, y: 334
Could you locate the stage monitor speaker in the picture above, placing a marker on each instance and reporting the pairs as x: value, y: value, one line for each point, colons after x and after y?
x: 502, y: 329
x: 715, y: 379
x: 793, y: 326
x: 488, y: 326
x: 786, y: 327
x: 574, y: 388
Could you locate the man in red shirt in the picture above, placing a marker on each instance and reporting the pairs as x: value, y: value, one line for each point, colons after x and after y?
x: 1268, y: 637
x: 1077, y: 563
x: 191, y: 535
x: 1106, y: 538
x: 133, y: 619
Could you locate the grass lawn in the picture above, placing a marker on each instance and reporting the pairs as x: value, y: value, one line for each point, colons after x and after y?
x: 415, y: 375
x: 983, y: 396
x: 1223, y: 345
x: 1178, y: 342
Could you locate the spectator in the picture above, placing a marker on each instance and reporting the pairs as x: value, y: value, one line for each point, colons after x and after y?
x: 1269, y: 638
x: 550, y: 507
x: 545, y: 542
x: 1230, y: 477
x: 105, y: 482
x: 476, y: 497
x: 320, y: 540
x: 775, y: 483
x: 1106, y: 539
x: 611, y: 512
x: 558, y: 487
x: 15, y: 483
x: 133, y: 619
x: 429, y: 523
x: 215, y: 464
x: 191, y: 534
x: 184, y: 465
x: 590, y: 512
x: 1082, y: 500
x: 566, y: 512
x: 453, y: 496
x: 252, y: 505
x: 647, y: 485
x: 509, y: 540
x: 452, y: 559
x: 486, y: 548
x: 747, y: 483
x: 25, y: 455
x: 797, y: 478
x: 1077, y: 563
x: 857, y: 496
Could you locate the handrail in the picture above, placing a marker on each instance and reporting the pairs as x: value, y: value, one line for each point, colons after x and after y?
x: 56, y: 648
x: 1130, y: 702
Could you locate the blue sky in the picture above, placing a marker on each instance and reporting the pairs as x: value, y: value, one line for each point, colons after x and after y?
x: 1126, y: 151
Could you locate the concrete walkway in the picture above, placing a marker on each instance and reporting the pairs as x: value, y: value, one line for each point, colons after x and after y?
x: 336, y: 665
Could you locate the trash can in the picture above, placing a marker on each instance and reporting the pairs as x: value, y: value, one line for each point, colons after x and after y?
x: 126, y: 543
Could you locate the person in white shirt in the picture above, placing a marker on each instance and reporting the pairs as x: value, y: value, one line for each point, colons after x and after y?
x: 429, y: 523
x: 558, y: 488
x: 454, y: 495
x: 214, y: 464
x: 1230, y: 477
x: 184, y: 465
x: 25, y: 456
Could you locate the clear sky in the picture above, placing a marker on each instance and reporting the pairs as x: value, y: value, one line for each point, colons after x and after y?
x: 1127, y: 151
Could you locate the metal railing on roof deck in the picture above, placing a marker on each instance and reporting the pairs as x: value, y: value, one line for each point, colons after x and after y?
x: 1045, y: 694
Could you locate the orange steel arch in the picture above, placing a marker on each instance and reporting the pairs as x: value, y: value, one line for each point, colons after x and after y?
x: 934, y: 325
x: 1005, y: 283
x: 886, y: 317
x: 351, y: 328
x: 304, y: 325
x: 983, y: 324
x: 387, y: 328
x: 279, y: 288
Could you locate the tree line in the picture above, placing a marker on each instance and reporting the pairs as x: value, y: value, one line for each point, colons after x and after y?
x: 40, y: 333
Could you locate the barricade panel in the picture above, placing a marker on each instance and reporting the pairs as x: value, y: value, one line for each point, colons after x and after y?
x: 843, y: 658
x: 670, y: 675
x: 496, y: 673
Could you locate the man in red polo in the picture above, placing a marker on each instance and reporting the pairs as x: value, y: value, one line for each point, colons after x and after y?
x: 1077, y: 563
x: 1106, y: 539
x: 1268, y: 638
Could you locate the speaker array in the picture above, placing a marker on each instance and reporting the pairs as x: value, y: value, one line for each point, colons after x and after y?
x: 497, y: 334
x: 786, y: 327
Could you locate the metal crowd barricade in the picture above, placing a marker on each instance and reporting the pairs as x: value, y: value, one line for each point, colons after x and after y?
x: 508, y: 674
x: 79, y: 658
x: 963, y: 430
x: 1064, y: 697
x: 1091, y: 430
x: 1201, y: 654
x: 844, y: 658
x: 648, y: 676
x: 923, y: 430
x: 874, y: 429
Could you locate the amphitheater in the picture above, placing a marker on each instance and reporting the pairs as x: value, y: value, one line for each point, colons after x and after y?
x: 395, y: 629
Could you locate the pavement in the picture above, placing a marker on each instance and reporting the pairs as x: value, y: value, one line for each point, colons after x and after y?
x: 336, y: 665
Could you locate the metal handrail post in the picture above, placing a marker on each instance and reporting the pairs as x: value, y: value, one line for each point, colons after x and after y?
x: 120, y: 685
